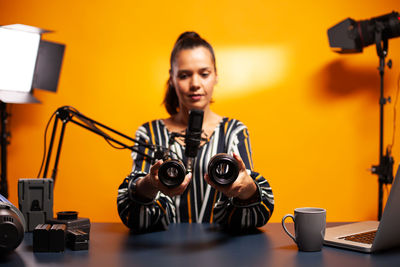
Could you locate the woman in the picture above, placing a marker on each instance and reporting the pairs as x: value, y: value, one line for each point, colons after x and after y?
x: 145, y: 204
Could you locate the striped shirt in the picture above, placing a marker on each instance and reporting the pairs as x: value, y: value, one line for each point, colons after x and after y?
x: 200, y: 202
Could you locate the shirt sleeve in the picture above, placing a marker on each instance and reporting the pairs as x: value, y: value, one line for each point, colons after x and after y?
x: 228, y: 212
x: 143, y: 215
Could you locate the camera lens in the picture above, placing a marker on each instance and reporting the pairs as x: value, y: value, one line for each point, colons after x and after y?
x: 223, y: 169
x: 172, y: 173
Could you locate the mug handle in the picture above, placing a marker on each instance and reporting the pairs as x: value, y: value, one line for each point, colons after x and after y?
x: 284, y: 227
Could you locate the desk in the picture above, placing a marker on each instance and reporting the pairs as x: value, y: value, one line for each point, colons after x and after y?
x: 203, y: 245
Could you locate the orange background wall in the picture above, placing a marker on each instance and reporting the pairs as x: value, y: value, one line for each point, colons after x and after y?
x: 313, y: 114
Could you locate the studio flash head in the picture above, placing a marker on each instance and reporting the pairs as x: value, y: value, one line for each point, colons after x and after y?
x: 350, y: 36
x: 223, y: 169
x: 172, y: 173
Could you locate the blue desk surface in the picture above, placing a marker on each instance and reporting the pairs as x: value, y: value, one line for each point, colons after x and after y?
x: 203, y: 245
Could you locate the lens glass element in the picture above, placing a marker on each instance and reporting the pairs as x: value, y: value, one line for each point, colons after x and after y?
x: 172, y: 173
x: 223, y: 169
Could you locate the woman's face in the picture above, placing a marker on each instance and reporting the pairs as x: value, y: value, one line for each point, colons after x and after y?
x: 193, y: 76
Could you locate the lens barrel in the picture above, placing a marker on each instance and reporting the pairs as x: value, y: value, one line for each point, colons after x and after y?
x: 172, y: 173
x: 223, y: 169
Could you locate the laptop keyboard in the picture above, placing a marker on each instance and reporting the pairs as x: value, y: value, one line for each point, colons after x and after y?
x: 366, y: 237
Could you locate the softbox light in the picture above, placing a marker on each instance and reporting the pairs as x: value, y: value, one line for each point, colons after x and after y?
x: 27, y: 62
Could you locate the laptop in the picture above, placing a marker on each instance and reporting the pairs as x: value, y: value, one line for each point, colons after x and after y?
x: 371, y: 236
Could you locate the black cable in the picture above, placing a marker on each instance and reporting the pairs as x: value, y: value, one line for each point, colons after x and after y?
x: 114, y: 146
x: 154, y: 147
x: 45, y: 138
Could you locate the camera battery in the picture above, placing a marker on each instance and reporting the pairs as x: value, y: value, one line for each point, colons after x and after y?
x: 57, y: 238
x: 35, y: 199
x: 41, y: 238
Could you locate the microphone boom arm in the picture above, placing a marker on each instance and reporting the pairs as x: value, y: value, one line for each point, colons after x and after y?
x: 66, y: 114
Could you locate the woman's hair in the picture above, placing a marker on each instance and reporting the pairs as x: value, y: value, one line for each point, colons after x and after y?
x: 187, y: 40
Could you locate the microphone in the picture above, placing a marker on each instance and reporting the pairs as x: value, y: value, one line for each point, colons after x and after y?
x: 172, y: 171
x: 193, y: 136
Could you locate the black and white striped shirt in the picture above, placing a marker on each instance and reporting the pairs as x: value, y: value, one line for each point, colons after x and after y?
x: 200, y: 202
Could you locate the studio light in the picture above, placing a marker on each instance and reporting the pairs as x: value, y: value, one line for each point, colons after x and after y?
x: 26, y: 62
x: 350, y: 36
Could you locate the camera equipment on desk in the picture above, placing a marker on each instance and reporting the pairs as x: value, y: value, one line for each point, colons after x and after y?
x: 67, y: 229
x: 35, y: 197
x: 49, y: 238
x: 72, y: 221
x: 350, y: 36
x: 77, y: 229
x: 12, y: 226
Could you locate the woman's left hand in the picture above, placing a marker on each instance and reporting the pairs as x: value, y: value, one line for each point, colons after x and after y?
x: 243, y: 187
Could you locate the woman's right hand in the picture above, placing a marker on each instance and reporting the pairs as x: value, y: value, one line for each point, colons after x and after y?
x: 149, y: 185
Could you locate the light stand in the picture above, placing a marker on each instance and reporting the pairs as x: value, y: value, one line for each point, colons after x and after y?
x: 3, y: 141
x: 67, y: 114
x: 385, y: 168
x: 27, y: 62
x: 351, y: 36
